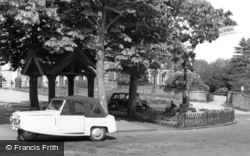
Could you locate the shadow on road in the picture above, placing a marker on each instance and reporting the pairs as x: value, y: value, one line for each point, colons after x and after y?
x: 47, y: 138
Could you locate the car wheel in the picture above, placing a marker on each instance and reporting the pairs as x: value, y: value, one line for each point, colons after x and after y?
x: 25, y: 135
x: 97, y: 134
x: 113, y: 106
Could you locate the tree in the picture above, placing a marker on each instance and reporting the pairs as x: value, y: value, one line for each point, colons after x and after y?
x: 177, y: 82
x: 213, y: 74
x: 25, y: 27
x: 144, y: 41
x: 239, y: 71
x: 76, y: 24
x: 179, y: 22
x: 218, y: 75
x: 136, y: 32
x: 202, y: 68
x: 102, y: 21
x: 197, y: 22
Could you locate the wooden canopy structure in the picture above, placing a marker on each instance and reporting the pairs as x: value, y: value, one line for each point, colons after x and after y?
x: 68, y: 64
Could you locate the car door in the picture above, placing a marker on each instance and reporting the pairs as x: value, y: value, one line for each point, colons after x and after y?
x: 72, y: 119
x: 123, y: 100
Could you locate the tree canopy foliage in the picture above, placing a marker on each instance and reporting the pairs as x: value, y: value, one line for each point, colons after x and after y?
x: 238, y: 70
x: 129, y: 33
x: 177, y: 82
x: 213, y: 74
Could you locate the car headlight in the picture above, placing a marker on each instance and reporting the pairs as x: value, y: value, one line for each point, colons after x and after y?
x: 11, y: 118
x: 15, y: 120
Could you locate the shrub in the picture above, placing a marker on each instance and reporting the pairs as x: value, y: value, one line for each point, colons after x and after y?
x: 122, y: 79
x: 81, y: 83
x: 18, y: 82
x: 177, y: 83
x: 221, y: 91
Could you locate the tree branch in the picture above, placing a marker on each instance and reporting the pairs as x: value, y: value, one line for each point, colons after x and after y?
x: 96, y: 22
x: 115, y: 19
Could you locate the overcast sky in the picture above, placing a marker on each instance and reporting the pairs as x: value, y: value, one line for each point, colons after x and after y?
x: 223, y: 47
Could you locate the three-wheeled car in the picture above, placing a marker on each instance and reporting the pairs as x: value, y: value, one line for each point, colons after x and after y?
x: 65, y: 116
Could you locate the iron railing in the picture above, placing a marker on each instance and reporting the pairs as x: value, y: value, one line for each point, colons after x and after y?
x: 183, y: 120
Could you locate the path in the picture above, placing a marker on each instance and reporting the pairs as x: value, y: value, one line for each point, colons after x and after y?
x: 12, y: 96
x: 218, y: 103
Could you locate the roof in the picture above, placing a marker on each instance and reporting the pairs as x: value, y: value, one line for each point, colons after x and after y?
x: 90, y: 105
x: 80, y: 98
x: 67, y: 63
x: 120, y: 93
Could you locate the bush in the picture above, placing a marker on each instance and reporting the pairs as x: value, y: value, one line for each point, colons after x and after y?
x: 221, y: 91
x: 122, y: 79
x: 81, y: 83
x: 177, y: 83
x: 18, y: 82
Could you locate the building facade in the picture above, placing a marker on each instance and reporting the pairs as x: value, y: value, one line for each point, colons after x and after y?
x: 8, y: 77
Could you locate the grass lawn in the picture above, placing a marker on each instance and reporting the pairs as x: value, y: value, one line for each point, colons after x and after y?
x: 158, y: 99
x: 60, y: 91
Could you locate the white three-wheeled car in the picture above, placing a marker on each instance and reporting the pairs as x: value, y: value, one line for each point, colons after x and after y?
x: 65, y: 116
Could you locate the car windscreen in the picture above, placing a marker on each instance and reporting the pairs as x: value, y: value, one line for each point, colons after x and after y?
x: 55, y: 104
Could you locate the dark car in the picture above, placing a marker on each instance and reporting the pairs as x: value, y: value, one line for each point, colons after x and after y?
x: 120, y: 100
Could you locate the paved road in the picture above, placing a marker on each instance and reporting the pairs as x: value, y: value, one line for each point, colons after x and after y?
x: 218, y: 141
x: 227, y: 140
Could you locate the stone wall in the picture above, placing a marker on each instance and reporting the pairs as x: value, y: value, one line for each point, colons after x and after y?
x: 201, y: 96
x: 238, y: 100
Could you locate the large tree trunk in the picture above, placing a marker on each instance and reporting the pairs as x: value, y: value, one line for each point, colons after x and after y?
x: 133, y: 85
x: 100, y: 70
x: 34, y: 103
x: 100, y: 80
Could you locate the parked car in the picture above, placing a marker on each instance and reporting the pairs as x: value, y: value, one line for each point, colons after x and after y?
x: 120, y: 100
x: 65, y: 116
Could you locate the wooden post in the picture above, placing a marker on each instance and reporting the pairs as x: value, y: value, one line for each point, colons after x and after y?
x: 34, y: 104
x: 52, y: 86
x: 70, y: 84
x: 91, y: 84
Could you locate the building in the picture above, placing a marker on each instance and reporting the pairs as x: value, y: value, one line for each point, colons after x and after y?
x: 8, y: 77
x: 160, y: 76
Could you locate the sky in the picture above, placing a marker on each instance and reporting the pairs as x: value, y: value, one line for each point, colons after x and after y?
x: 223, y: 47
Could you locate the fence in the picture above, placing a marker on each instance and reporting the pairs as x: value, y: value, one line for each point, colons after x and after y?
x: 158, y: 116
x: 205, y: 119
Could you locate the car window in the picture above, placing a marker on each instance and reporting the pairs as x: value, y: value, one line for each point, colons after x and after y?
x: 127, y: 97
x: 73, y: 108
x: 116, y: 96
x: 122, y: 96
x: 79, y: 108
x: 95, y: 109
x: 66, y: 109
x: 55, y: 104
